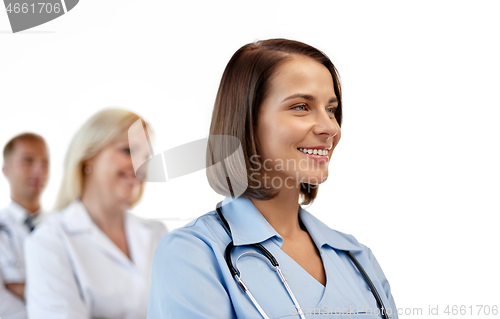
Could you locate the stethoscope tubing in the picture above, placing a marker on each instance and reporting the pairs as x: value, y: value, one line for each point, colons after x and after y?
x: 370, y: 283
x: 236, y: 274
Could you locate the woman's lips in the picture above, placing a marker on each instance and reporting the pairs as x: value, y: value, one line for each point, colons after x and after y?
x: 131, y: 180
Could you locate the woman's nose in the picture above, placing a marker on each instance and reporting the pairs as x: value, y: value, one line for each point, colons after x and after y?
x: 326, y: 125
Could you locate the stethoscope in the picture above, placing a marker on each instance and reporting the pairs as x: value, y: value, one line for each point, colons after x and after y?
x: 274, y: 263
x: 12, y: 261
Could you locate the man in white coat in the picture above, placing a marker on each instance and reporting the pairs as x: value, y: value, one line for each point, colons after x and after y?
x: 26, y: 167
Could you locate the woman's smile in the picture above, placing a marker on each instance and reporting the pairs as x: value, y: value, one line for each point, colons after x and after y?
x: 317, y: 154
x: 129, y: 179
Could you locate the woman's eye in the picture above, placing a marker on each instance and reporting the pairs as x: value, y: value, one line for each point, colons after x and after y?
x: 301, y: 107
x: 331, y: 110
x: 126, y: 150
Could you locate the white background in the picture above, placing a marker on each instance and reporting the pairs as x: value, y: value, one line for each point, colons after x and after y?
x: 415, y: 176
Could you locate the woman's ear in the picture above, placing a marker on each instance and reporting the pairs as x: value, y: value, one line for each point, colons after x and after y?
x: 87, y: 166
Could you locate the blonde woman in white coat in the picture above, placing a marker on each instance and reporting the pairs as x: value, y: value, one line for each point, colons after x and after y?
x: 92, y: 259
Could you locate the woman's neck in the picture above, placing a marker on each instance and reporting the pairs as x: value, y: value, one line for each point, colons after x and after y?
x: 109, y: 217
x: 282, y: 211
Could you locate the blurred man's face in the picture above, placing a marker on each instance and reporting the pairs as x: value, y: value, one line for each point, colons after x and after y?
x: 27, y: 168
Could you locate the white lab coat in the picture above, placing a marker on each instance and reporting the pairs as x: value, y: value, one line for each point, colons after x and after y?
x: 11, y: 306
x: 12, y: 252
x: 13, y: 233
x: 73, y: 270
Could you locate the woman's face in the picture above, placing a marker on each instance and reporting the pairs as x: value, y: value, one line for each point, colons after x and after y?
x: 112, y: 174
x: 296, y: 127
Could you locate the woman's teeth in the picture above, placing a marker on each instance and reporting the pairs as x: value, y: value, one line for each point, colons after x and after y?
x: 313, y: 151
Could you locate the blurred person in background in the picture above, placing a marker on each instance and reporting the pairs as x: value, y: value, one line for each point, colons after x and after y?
x: 26, y: 167
x: 92, y: 258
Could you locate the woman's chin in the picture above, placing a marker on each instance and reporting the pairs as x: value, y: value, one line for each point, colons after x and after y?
x: 315, y: 178
x: 126, y: 197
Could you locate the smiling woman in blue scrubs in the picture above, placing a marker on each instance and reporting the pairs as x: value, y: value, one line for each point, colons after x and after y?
x: 282, y: 100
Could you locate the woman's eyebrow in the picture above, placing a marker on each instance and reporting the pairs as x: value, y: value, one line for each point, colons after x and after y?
x: 308, y: 97
x: 304, y: 96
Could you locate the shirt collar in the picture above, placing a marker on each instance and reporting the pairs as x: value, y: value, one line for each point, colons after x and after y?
x: 248, y: 226
x: 77, y: 222
x: 324, y: 235
x: 77, y: 219
x: 18, y: 212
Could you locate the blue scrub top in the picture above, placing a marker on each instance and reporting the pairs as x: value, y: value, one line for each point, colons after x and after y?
x: 190, y: 277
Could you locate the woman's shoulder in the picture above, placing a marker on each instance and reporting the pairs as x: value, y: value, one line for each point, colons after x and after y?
x: 74, y: 213
x: 205, y: 225
x: 203, y: 232
x: 192, y: 253
x: 193, y: 248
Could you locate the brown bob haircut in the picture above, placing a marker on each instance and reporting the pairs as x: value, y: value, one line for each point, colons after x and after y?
x: 243, y: 87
